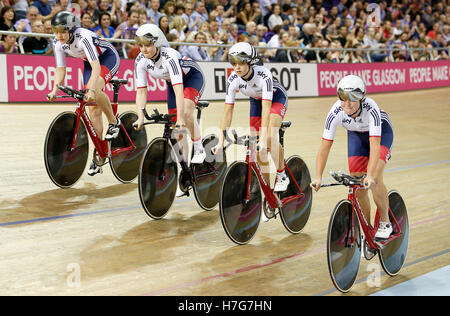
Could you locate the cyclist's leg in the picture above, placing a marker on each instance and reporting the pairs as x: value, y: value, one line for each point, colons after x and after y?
x: 255, y: 130
x: 193, y: 89
x: 95, y: 112
x: 181, y: 143
x: 379, y: 192
x: 358, y: 158
x: 109, y: 62
x: 277, y: 112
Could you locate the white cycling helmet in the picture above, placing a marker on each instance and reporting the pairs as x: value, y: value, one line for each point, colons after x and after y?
x: 150, y: 33
x: 351, y: 88
x: 243, y: 52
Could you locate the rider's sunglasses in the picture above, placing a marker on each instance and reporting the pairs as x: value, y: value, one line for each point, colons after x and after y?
x: 59, y: 29
x: 146, y: 40
x: 354, y: 95
x: 237, y: 60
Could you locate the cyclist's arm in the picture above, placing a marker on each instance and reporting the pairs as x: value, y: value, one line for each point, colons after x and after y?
x: 225, y: 122
x: 322, y: 158
x: 373, y: 156
x: 179, y: 99
x: 141, y: 101
x: 60, y: 74
x: 265, y: 117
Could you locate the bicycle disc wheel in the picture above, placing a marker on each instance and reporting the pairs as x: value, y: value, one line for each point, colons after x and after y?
x: 393, y: 255
x: 65, y: 166
x: 240, y: 219
x: 208, y: 176
x: 295, y: 214
x: 157, y: 180
x: 343, y: 246
x: 125, y: 165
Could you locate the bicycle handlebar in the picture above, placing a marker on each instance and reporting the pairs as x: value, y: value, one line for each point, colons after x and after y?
x: 344, y: 179
x: 245, y: 140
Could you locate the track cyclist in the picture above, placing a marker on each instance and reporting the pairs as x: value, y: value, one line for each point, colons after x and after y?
x: 184, y: 78
x: 370, y: 139
x: 268, y: 105
x: 101, y: 63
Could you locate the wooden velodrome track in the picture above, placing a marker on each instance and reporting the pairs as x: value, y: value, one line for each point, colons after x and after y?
x: 95, y: 239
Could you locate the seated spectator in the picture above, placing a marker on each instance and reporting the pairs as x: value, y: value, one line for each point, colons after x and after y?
x: 250, y: 29
x: 333, y: 56
x: 104, y: 28
x: 198, y: 15
x: 7, y: 19
x: 92, y: 9
x: 282, y: 55
x: 311, y: 55
x: 43, y: 7
x: 164, y: 24
x: 142, y: 17
x: 439, y: 42
x: 197, y: 53
x: 275, y: 18
x: 234, y: 33
x: 21, y: 8
x: 245, y: 14
x: 153, y: 12
x: 169, y: 10
x: 36, y: 45
x: 356, y: 56
x: 177, y: 27
x: 117, y: 15
x: 371, y: 42
x: 86, y: 21
x: 24, y: 25
x: 9, y: 45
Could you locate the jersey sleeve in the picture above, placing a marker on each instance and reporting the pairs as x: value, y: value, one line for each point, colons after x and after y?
x: 267, y: 87
x: 374, y: 119
x: 331, y: 123
x: 231, y: 88
x: 60, y: 56
x: 173, y: 65
x: 140, y: 73
x: 89, y: 48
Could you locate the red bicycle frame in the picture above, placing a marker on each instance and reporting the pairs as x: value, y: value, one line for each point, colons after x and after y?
x: 102, y: 146
x: 271, y: 198
x: 367, y: 228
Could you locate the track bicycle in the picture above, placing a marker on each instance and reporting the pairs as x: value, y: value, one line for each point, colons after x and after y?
x: 344, y: 242
x: 158, y: 172
x: 241, y: 201
x: 67, y: 144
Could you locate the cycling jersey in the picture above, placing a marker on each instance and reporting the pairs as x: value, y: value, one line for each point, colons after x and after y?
x: 175, y: 69
x: 371, y: 122
x: 260, y: 86
x: 169, y: 66
x: 88, y: 46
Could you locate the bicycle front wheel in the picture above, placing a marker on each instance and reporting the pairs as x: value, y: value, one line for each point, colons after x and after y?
x: 209, y: 175
x: 125, y: 165
x: 240, y: 218
x: 158, y: 177
x: 65, y: 165
x: 295, y: 214
x: 393, y: 255
x: 343, y: 246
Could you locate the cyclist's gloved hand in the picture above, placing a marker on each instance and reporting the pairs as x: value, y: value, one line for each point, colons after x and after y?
x: 138, y: 123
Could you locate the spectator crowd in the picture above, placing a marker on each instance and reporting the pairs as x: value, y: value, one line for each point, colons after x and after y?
x: 393, y: 30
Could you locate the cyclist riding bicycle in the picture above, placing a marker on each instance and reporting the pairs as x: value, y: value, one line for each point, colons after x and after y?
x: 101, y: 63
x: 370, y: 138
x: 268, y: 105
x: 184, y: 78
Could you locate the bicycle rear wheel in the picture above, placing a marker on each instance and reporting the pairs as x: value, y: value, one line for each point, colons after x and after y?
x: 240, y: 218
x: 209, y: 175
x: 158, y: 177
x: 295, y: 214
x: 343, y: 246
x: 393, y: 255
x: 65, y: 166
x: 125, y: 165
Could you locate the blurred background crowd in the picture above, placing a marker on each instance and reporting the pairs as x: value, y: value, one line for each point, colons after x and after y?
x: 373, y: 31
